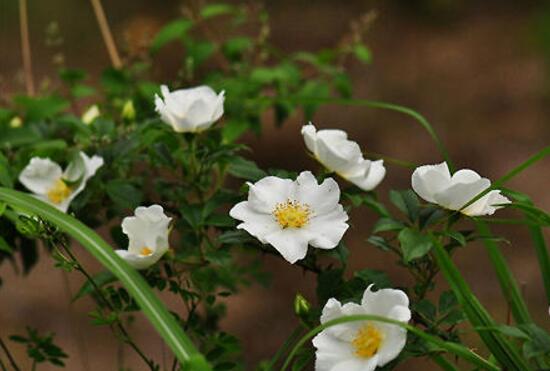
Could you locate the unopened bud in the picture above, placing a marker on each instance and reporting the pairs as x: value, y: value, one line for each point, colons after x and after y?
x: 16, y: 122
x: 91, y: 114
x: 128, y: 111
x: 301, y: 306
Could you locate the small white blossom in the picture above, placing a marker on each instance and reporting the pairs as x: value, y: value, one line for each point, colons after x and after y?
x: 147, y: 233
x: 435, y: 184
x: 336, y: 152
x: 51, y: 184
x: 362, y: 345
x: 91, y: 114
x: 190, y: 110
x: 289, y: 215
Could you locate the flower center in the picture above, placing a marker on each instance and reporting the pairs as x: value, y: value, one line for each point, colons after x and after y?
x: 292, y: 214
x: 367, y: 341
x: 59, y: 192
x: 145, y: 251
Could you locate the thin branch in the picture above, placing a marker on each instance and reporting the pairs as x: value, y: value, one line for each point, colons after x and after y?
x: 8, y: 354
x: 26, y: 47
x: 106, y: 33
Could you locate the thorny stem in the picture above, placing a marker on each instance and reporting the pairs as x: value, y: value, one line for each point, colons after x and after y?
x: 8, y: 354
x: 125, y: 335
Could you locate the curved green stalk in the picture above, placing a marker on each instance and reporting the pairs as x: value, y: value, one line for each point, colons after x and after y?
x: 454, y: 348
x: 381, y: 105
x: 152, y: 307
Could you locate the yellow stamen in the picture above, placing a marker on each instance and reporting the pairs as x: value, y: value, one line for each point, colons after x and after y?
x: 367, y: 341
x: 59, y: 192
x: 145, y: 251
x: 292, y: 214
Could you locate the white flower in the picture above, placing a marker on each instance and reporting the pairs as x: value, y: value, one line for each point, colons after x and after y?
x: 362, y: 345
x: 147, y: 233
x: 190, y: 110
x: 289, y: 215
x: 435, y: 184
x: 91, y: 114
x: 336, y: 152
x: 51, y: 184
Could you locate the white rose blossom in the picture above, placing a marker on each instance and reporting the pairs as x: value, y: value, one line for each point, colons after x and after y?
x: 435, y: 184
x: 51, y: 184
x: 189, y: 110
x: 147, y: 233
x: 289, y: 215
x: 336, y: 152
x: 362, y: 345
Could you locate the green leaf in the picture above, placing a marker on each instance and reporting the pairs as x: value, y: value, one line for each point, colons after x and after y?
x: 407, y: 202
x: 124, y: 194
x: 214, y: 10
x: 172, y: 31
x: 414, y: 244
x: 362, y: 53
x: 99, y: 280
x: 233, y: 129
x: 387, y: 224
x: 5, y: 172
x: 5, y: 247
x: 151, y: 306
x: 379, y: 278
x: 508, y: 284
x: 501, y: 348
x: 41, y: 108
x: 245, y: 169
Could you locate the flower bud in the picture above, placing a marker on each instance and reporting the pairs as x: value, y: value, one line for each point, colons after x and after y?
x: 301, y: 307
x: 16, y: 122
x: 91, y: 114
x: 128, y: 111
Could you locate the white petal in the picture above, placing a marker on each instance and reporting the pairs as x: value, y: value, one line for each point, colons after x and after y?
x: 357, y: 364
x: 218, y: 107
x: 330, y: 351
x: 335, y: 152
x: 383, y: 301
x: 327, y: 230
x: 321, y: 198
x: 138, y: 261
x: 465, y: 176
x: 257, y: 224
x: 309, y: 132
x: 459, y: 194
x: 290, y: 243
x: 395, y: 339
x: 372, y: 176
x: 88, y: 170
x: 40, y: 175
x: 266, y: 193
x: 148, y: 228
x: 428, y: 180
x: 485, y: 205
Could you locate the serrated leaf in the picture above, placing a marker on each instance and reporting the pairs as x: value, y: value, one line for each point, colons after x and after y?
x: 172, y: 31
x: 413, y: 244
x: 387, y: 224
x: 99, y: 280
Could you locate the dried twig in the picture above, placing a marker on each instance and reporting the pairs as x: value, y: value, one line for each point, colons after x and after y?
x: 26, y: 47
x: 106, y: 33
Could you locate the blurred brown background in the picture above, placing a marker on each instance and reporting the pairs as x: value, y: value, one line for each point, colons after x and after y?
x: 477, y: 70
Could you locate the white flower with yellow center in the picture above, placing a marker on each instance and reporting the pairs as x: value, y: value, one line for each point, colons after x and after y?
x: 147, y: 233
x: 362, y: 345
x: 190, y: 110
x: 51, y: 184
x: 435, y: 184
x: 337, y: 153
x: 289, y: 215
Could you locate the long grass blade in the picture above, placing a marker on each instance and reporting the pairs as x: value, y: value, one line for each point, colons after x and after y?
x: 152, y: 307
x: 454, y: 348
x: 506, y: 354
